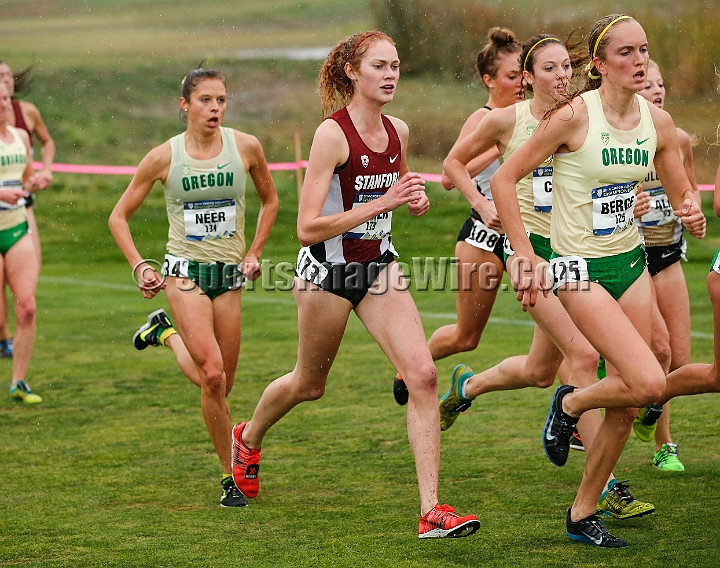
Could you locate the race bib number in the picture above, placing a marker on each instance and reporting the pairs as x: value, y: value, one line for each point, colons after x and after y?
x: 209, y: 220
x: 567, y: 269
x: 507, y: 247
x: 373, y: 229
x: 661, y: 212
x: 174, y: 266
x: 613, y: 208
x: 308, y: 268
x: 482, y: 237
x: 542, y: 188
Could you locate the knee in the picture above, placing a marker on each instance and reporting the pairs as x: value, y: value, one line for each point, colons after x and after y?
x: 543, y: 378
x: 213, y: 380
x: 661, y: 349
x: 467, y: 342
x: 25, y: 312
x: 650, y: 389
x: 422, y: 379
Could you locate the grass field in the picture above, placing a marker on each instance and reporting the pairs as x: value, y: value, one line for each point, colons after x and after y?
x: 116, y: 469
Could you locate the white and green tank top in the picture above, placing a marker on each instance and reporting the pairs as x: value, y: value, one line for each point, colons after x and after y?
x: 534, y: 191
x: 594, y: 187
x: 13, y: 161
x: 205, y: 202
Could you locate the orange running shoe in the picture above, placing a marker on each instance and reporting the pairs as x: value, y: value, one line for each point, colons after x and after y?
x: 443, y: 522
x: 245, y: 464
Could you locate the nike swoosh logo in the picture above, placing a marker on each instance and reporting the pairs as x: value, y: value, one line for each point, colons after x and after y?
x: 549, y: 429
x: 666, y: 254
x: 595, y: 540
x: 16, y: 234
x: 392, y: 160
x: 632, y: 264
x: 221, y: 167
x: 638, y: 142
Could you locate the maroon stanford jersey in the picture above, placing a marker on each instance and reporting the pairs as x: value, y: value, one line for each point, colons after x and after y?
x: 365, y: 176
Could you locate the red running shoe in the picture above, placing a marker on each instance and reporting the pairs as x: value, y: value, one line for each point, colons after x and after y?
x: 443, y: 522
x: 245, y: 464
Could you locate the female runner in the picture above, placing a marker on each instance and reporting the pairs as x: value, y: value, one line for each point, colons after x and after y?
x: 357, y: 176
x: 19, y: 263
x: 203, y: 171
x: 481, y: 237
x: 547, y: 69
x: 700, y: 378
x: 665, y: 246
x: 604, y: 141
x: 27, y: 117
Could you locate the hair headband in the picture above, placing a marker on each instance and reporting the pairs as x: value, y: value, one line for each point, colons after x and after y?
x: 360, y: 42
x: 590, y: 66
x: 533, y: 47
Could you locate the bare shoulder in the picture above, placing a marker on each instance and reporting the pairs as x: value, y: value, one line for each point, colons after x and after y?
x: 661, y: 118
x: 157, y: 160
x: 247, y: 143
x: 684, y: 137
x: 500, y: 118
x: 29, y: 109
x: 400, y: 126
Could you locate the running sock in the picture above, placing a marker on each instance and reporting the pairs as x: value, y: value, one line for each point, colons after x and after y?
x: 169, y: 332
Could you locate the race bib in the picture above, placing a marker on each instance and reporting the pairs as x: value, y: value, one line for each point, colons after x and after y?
x: 507, y: 247
x: 661, y: 212
x: 174, y: 266
x: 613, y: 208
x: 308, y: 268
x: 210, y: 219
x: 482, y: 237
x: 567, y: 269
x: 373, y: 229
x: 542, y: 188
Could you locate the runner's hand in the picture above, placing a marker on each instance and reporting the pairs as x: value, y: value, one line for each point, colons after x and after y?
x: 251, y: 267
x: 149, y: 281
x: 420, y: 206
x: 403, y: 191
x: 642, y: 204
x: 11, y: 195
x: 692, y: 218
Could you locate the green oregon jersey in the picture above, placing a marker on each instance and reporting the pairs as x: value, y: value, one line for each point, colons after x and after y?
x: 659, y: 227
x: 534, y: 191
x: 594, y: 187
x: 205, y: 202
x: 13, y: 161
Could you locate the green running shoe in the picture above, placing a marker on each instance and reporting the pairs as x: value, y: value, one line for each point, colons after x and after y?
x: 618, y: 502
x: 645, y: 423
x: 231, y: 496
x: 21, y: 391
x: 667, y: 458
x: 149, y: 334
x: 452, y: 402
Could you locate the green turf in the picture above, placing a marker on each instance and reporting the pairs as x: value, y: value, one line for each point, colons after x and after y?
x: 115, y: 467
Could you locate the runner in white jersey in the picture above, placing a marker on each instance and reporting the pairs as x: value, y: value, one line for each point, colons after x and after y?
x: 480, y: 241
x: 19, y: 260
x: 662, y: 233
x: 604, y: 142
x: 547, y: 70
x: 341, y: 219
x: 203, y: 171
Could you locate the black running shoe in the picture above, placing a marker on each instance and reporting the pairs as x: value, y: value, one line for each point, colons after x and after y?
x: 149, y: 334
x: 400, y: 390
x: 559, y: 428
x: 576, y: 442
x: 231, y: 496
x: 593, y: 531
